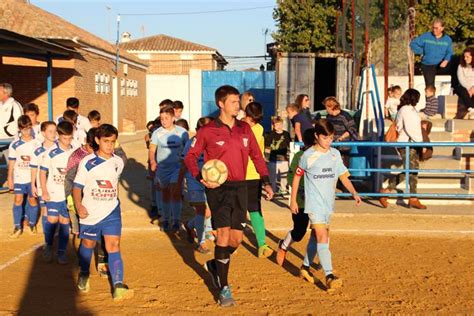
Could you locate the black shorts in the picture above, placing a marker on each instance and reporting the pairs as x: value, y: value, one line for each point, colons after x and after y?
x: 228, y: 204
x: 254, y: 195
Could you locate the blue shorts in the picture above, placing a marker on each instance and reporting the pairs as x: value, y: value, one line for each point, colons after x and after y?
x: 22, y: 188
x: 318, y: 220
x: 197, y: 196
x: 109, y: 226
x: 166, y: 176
x: 57, y: 209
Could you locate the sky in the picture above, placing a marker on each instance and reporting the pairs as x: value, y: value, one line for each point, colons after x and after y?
x: 235, y: 32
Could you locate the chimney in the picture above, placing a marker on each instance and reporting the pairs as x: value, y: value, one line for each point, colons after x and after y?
x: 126, y: 37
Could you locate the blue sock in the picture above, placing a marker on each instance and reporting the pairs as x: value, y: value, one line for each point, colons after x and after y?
x: 159, y: 202
x: 176, y: 207
x: 32, y: 213
x: 17, y: 214
x: 49, y: 230
x: 85, y: 256
x: 44, y: 219
x: 166, y: 210
x: 325, y: 258
x: 63, y: 237
x: 116, y: 267
x: 199, y: 225
x: 310, y: 251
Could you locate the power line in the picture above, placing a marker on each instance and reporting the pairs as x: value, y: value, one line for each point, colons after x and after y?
x: 196, y: 12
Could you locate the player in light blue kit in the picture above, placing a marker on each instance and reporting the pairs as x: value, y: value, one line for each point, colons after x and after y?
x: 95, y: 193
x: 197, y: 199
x: 20, y: 154
x: 321, y: 167
x: 165, y: 154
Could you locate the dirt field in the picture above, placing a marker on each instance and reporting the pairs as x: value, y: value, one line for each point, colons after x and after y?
x: 391, y: 261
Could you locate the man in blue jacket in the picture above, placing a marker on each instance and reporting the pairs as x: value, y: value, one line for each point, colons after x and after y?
x: 436, y: 49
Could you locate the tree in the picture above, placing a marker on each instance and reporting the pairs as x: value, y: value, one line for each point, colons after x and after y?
x: 305, y: 25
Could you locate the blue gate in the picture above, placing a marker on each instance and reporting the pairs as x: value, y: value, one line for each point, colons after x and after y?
x: 260, y: 83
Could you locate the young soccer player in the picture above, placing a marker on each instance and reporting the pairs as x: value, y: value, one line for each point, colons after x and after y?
x: 231, y: 141
x: 253, y: 116
x: 19, y: 177
x: 178, y: 109
x: 321, y: 167
x: 277, y: 143
x: 300, y: 219
x: 52, y: 174
x: 49, y: 134
x: 95, y: 195
x: 165, y: 154
x: 94, y: 118
x: 82, y: 121
x: 32, y: 111
x: 79, y: 135
x: 197, y: 199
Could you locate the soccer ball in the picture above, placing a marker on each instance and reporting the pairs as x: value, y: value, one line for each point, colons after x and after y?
x: 214, y: 171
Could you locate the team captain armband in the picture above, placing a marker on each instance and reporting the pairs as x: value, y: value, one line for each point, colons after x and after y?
x: 299, y: 171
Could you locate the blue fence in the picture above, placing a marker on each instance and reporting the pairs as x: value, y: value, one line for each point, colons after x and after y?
x: 406, y: 169
x: 260, y: 83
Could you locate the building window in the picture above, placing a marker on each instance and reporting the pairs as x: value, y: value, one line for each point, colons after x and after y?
x: 102, y: 83
x: 132, y: 88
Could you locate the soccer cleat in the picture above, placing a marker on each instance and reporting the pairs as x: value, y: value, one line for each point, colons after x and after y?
x: 203, y: 249
x: 225, y: 297
x: 83, y: 283
x: 210, y: 267
x: 16, y: 233
x: 384, y: 200
x: 264, y: 251
x: 415, y: 203
x: 332, y: 282
x: 306, y: 275
x: 103, y: 269
x: 121, y: 292
x: 281, y: 254
x: 62, y: 258
x: 48, y: 253
x: 164, y: 226
x: 33, y: 229
x: 190, y: 233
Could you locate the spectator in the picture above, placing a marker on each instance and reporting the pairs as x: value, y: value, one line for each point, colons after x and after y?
x: 393, y: 100
x: 277, y: 143
x: 299, y: 121
x: 465, y: 74
x: 302, y: 101
x: 344, y: 124
x: 436, y: 49
x: 409, y: 130
x: 431, y: 108
x: 10, y: 111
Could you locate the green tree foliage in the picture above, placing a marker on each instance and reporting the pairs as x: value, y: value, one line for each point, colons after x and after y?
x: 305, y: 25
x: 310, y: 25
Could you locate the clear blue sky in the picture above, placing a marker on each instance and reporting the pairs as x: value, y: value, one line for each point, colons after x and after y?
x: 237, y: 33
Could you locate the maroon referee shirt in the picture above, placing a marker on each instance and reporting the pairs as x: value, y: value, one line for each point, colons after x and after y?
x: 231, y: 145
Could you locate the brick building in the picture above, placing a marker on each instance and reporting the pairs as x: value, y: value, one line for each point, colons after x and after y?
x: 88, y: 74
x: 168, y: 55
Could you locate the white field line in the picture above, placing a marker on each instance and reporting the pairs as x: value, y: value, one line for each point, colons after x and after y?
x: 21, y: 255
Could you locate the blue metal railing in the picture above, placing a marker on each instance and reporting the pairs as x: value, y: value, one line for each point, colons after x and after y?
x: 406, y: 169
